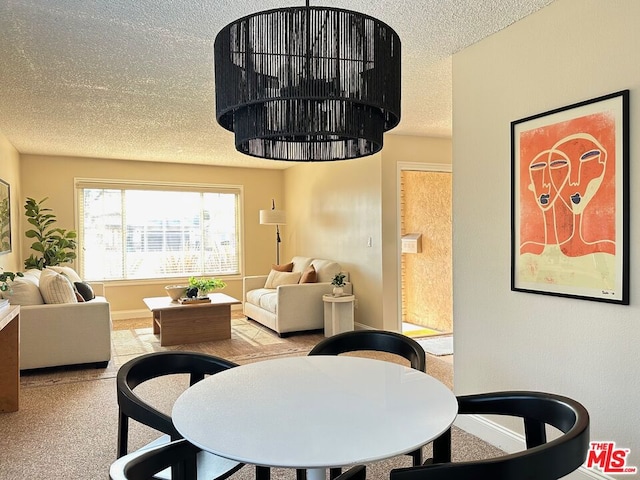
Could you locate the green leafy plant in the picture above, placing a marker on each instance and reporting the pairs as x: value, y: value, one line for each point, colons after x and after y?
x: 205, y: 285
x: 55, y: 245
x: 6, y: 277
x: 338, y: 280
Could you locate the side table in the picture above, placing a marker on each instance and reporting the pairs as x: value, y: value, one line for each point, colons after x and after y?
x: 338, y: 314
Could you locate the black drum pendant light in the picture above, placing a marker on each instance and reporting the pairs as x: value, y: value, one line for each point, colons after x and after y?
x: 307, y: 83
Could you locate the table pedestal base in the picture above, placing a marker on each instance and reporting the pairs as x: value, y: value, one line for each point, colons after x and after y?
x: 316, y: 473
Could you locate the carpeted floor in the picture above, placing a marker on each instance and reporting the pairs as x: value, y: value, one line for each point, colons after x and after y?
x: 67, y: 423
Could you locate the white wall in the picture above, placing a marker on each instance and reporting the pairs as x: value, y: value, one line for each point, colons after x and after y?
x: 570, y: 51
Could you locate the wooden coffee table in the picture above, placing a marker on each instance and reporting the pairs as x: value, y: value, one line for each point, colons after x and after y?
x: 191, y: 323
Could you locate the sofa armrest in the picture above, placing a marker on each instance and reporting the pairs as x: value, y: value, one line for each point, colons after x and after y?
x: 98, y: 288
x: 65, y: 333
x: 252, y: 283
x: 300, y: 307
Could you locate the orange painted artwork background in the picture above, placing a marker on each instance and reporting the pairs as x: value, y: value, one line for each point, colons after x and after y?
x: 567, y: 186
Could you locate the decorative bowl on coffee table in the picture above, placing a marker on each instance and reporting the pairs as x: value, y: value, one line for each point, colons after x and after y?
x: 176, y: 291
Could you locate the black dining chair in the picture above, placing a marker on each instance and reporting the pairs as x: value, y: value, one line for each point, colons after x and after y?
x: 540, y: 460
x: 373, y: 340
x: 132, y: 406
x: 143, y: 465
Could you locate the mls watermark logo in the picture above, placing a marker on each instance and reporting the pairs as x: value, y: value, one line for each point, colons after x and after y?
x: 608, y: 458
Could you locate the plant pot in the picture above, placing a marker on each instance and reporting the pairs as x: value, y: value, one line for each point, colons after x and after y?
x: 338, y: 291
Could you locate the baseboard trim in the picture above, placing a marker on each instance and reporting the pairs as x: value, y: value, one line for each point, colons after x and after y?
x: 512, y: 442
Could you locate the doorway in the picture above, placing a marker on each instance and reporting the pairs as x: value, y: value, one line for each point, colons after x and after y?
x: 426, y: 274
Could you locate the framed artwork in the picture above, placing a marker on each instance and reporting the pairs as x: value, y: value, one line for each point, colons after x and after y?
x: 570, y: 201
x: 5, y: 218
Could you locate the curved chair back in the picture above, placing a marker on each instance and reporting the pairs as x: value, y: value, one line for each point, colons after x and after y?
x: 541, y: 460
x: 153, y: 365
x: 377, y: 340
x: 154, y: 460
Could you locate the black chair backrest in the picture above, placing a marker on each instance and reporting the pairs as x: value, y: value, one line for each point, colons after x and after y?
x: 376, y: 340
x: 541, y: 460
x: 178, y: 454
x: 153, y: 365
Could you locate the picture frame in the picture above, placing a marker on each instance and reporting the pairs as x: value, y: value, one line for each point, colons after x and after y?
x: 570, y: 201
x: 5, y: 218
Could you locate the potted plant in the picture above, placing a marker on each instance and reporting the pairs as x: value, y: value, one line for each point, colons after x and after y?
x: 6, y: 277
x: 55, y: 245
x: 338, y: 283
x: 205, y: 285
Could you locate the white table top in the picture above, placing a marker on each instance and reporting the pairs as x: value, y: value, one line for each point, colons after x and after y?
x: 314, y: 411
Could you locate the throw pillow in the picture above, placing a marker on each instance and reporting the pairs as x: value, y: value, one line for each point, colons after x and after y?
x: 79, y: 297
x: 68, y: 272
x: 56, y: 288
x: 85, y: 290
x: 24, y: 291
x: 286, y: 267
x: 275, y: 279
x: 309, y: 275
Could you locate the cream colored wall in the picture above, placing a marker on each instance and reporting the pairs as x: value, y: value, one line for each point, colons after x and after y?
x: 10, y: 173
x: 570, y: 51
x: 332, y: 210
x: 53, y: 177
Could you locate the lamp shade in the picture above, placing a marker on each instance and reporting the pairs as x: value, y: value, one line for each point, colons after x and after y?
x: 272, y: 217
x: 307, y: 83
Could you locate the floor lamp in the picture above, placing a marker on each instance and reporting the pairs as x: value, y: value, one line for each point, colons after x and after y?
x: 277, y: 218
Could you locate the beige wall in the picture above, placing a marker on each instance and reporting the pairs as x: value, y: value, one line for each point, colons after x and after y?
x: 570, y: 51
x: 10, y: 173
x: 332, y: 210
x: 53, y: 177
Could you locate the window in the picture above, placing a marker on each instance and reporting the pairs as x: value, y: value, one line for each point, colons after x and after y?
x: 144, y: 231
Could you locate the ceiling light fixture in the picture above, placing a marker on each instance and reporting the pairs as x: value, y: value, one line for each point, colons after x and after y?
x: 307, y: 83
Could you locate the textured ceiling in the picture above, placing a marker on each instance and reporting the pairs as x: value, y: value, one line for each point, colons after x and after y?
x: 133, y: 79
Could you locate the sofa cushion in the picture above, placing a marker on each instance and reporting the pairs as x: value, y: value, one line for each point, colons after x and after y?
x: 56, y: 288
x: 275, y: 278
x: 287, y: 267
x: 25, y: 291
x: 265, y: 298
x: 85, y: 290
x: 326, y: 269
x: 309, y: 275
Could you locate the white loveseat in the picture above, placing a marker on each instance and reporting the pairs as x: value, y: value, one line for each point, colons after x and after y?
x: 56, y: 334
x: 291, y: 307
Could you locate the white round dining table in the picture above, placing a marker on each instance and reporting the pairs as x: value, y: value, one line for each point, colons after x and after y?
x: 314, y: 412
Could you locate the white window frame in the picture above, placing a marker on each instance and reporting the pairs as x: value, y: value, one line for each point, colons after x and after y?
x: 98, y: 183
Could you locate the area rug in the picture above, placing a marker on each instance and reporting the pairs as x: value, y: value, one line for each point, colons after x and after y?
x: 438, y: 346
x: 249, y: 342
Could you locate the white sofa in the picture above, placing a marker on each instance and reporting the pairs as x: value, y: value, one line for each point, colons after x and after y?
x: 292, y: 307
x: 57, y: 334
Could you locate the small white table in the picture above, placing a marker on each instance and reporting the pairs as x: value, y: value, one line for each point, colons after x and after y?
x: 314, y: 412
x: 338, y: 314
